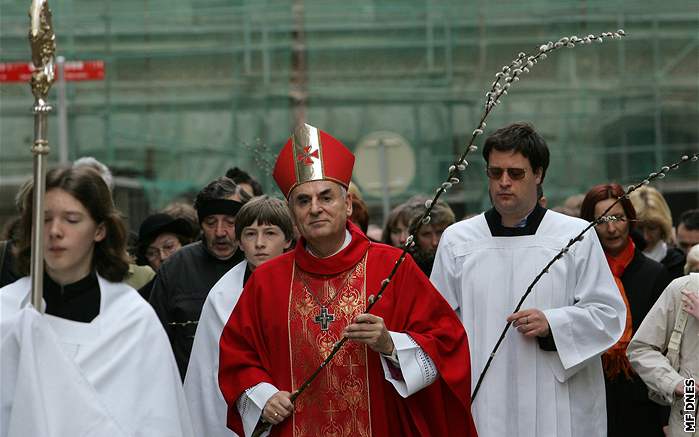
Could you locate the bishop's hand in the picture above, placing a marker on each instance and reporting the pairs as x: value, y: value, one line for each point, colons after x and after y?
x: 370, y: 330
x: 278, y: 408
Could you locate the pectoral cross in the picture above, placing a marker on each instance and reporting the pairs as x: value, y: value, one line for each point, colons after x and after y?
x: 324, y: 319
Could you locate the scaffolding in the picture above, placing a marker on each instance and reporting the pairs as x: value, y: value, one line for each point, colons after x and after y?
x: 193, y: 87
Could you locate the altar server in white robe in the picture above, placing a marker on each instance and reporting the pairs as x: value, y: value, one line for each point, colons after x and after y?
x: 98, y: 363
x: 546, y: 379
x: 264, y: 230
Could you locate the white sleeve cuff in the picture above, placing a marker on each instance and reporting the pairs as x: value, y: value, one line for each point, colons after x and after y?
x: 415, y: 365
x: 252, y: 402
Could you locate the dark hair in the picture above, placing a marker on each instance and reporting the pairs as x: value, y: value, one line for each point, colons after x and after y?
x: 11, y: 230
x: 186, y: 211
x: 360, y: 214
x: 602, y: 192
x: 441, y: 213
x: 690, y: 219
x: 220, y: 188
x: 110, y: 258
x: 410, y: 212
x: 391, y: 221
x: 265, y: 210
x: 240, y: 176
x: 21, y: 197
x: 522, y: 138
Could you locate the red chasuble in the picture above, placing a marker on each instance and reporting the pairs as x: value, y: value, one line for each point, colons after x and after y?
x: 290, y: 315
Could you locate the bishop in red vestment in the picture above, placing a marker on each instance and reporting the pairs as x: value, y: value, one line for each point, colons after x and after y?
x: 401, y: 374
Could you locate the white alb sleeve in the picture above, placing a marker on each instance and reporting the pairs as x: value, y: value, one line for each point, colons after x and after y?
x: 252, y: 402
x: 417, y: 368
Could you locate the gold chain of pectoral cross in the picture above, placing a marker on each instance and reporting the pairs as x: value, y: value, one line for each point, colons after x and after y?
x: 325, y: 318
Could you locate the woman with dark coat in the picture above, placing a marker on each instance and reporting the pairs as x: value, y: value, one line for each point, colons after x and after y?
x: 640, y: 281
x: 159, y: 236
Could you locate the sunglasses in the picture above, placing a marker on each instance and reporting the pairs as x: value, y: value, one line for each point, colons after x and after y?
x: 497, y: 172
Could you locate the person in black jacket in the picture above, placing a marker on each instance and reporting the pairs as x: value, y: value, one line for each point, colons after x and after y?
x: 159, y: 237
x: 185, y: 278
x: 641, y: 281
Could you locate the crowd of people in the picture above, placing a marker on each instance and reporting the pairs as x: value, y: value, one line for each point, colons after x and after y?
x: 210, y: 322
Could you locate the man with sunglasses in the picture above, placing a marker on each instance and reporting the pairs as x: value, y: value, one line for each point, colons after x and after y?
x: 546, y: 379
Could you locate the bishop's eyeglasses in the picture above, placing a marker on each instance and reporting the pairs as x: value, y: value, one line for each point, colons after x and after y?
x: 496, y: 173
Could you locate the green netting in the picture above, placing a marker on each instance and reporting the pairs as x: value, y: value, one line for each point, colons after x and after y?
x: 193, y: 87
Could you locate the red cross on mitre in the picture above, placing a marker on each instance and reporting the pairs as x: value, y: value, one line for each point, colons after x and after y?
x: 306, y: 157
x: 309, y: 155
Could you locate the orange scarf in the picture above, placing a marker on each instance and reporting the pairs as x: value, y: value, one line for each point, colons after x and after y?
x: 614, y: 360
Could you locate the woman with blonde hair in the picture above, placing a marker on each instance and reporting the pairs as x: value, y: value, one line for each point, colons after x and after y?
x: 655, y: 225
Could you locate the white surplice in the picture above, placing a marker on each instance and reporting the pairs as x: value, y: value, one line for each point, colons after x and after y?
x: 529, y: 392
x: 41, y: 386
x: 206, y: 403
x: 121, y: 361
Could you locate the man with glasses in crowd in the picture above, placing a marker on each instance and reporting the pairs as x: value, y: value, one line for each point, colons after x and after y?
x: 546, y: 378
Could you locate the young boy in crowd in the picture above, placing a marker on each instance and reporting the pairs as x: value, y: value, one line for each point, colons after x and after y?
x: 264, y: 230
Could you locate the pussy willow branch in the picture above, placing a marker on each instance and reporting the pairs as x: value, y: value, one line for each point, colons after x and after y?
x: 261, y: 156
x: 510, y: 73
x: 601, y: 219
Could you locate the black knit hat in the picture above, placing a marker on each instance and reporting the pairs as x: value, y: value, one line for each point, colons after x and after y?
x: 157, y: 224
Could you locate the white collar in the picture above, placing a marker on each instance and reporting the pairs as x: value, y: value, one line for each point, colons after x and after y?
x: 658, y: 252
x: 348, y: 240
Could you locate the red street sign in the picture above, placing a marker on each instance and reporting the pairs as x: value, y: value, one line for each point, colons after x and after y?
x: 75, y: 71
